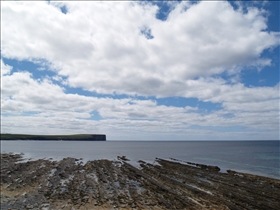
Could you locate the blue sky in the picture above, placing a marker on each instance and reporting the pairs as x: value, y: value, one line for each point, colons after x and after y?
x: 169, y: 70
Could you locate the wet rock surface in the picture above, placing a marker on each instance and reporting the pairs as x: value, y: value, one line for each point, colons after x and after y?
x: 103, y: 184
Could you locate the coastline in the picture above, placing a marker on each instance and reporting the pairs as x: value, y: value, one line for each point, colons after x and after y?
x: 74, y: 137
x: 116, y: 184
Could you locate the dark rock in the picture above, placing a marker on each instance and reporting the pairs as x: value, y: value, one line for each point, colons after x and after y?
x: 213, y: 168
x: 103, y: 183
x: 124, y: 158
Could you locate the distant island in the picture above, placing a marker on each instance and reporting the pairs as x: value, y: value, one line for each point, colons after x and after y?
x: 75, y: 137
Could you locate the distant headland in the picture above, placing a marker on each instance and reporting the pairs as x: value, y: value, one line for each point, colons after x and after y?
x: 75, y: 137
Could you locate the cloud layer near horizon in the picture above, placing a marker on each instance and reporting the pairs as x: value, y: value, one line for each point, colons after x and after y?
x: 122, y: 48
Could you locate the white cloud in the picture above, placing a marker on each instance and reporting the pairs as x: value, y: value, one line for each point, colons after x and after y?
x: 5, y: 69
x: 31, y: 105
x: 98, y: 46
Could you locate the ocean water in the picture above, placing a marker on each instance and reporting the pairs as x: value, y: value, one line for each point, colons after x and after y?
x: 256, y: 157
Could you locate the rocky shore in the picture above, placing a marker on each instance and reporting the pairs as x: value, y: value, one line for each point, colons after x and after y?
x: 103, y: 184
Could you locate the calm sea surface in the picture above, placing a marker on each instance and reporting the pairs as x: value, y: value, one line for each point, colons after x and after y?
x: 257, y: 157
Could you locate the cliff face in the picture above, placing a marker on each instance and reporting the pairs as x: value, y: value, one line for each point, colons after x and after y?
x: 77, y: 137
x: 100, y: 137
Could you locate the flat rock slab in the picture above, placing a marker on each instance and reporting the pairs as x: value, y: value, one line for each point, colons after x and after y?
x: 104, y: 184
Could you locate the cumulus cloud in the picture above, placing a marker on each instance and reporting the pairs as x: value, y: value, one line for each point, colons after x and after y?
x: 122, y: 48
x: 27, y: 104
x: 99, y: 46
x: 5, y: 69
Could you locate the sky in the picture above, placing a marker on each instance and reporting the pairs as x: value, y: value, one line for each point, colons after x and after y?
x: 173, y: 70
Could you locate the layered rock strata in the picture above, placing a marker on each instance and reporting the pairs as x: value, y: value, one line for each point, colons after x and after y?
x: 103, y: 184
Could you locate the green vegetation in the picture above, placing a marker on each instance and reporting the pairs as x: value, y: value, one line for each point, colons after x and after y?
x: 75, y: 137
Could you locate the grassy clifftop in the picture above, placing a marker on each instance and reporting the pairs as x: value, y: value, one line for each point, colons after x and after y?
x: 75, y: 137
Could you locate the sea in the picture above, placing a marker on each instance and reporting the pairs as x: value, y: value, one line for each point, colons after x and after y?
x: 255, y: 157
